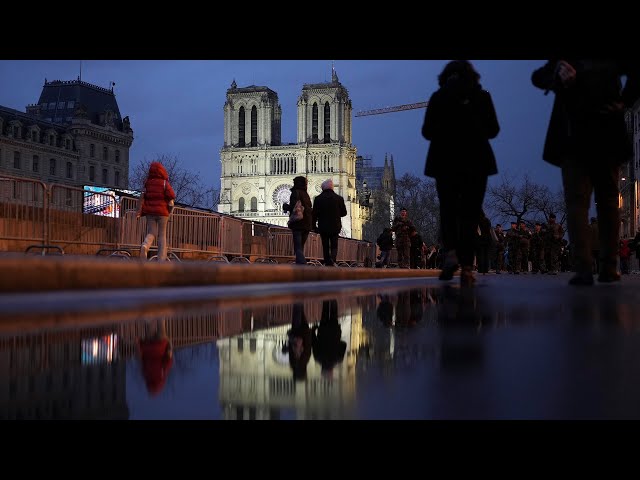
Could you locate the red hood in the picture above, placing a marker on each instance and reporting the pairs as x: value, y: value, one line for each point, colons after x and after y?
x: 157, y: 170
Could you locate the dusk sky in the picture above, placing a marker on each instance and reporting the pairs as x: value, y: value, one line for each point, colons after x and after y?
x: 176, y: 106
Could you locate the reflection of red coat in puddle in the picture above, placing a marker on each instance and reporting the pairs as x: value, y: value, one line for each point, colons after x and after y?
x: 157, y: 359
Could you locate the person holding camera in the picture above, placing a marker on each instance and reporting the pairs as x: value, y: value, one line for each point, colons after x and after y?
x: 587, y: 138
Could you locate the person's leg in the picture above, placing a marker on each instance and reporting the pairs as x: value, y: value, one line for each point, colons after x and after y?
x: 152, y: 232
x: 469, y: 211
x: 605, y: 185
x: 298, y: 247
x: 577, y: 194
x: 162, y: 238
x: 326, y: 252
x: 333, y: 241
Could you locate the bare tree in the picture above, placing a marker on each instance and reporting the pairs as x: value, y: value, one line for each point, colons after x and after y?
x: 380, y: 215
x: 420, y: 198
x: 187, y: 185
x: 528, y: 201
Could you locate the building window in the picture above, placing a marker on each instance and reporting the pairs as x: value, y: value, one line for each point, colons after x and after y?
x: 254, y: 126
x: 52, y: 105
x: 69, y: 170
x: 67, y: 144
x: 254, y: 166
x: 71, y: 104
x: 241, y: 204
x: 240, y: 167
x: 52, y: 166
x: 117, y: 156
x: 117, y: 178
x: 92, y: 173
x: 61, y: 105
x: 327, y: 123
x: 35, y: 165
x: 241, y: 127
x: 104, y: 175
x: 16, y: 159
x: 92, y: 150
x: 254, y: 204
x: 314, y: 123
x: 16, y: 132
x: 105, y: 153
x: 34, y: 135
x: 52, y: 140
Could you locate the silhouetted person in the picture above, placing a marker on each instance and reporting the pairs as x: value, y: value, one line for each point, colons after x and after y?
x: 459, y: 121
x: 326, y: 338
x: 300, y: 228
x: 298, y: 345
x: 385, y: 242
x: 484, y: 244
x: 154, y: 204
x: 587, y: 138
x: 156, y: 355
x: 328, y: 208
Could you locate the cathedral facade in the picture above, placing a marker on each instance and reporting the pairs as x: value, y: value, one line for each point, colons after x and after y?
x: 258, y: 170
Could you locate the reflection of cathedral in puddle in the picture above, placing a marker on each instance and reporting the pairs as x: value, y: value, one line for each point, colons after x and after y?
x: 256, y: 381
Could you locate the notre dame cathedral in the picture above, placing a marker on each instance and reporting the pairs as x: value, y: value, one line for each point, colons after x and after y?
x: 258, y: 170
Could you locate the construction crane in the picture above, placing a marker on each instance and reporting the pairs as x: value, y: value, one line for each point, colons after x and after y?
x: 398, y: 108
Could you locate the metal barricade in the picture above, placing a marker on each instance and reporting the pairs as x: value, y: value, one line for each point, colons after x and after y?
x: 231, y: 243
x: 81, y: 217
x: 23, y: 207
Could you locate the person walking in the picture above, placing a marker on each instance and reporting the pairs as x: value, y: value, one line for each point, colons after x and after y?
x: 459, y: 121
x: 403, y: 228
x: 587, y: 138
x: 300, y: 228
x: 385, y: 242
x: 328, y: 208
x: 155, y: 202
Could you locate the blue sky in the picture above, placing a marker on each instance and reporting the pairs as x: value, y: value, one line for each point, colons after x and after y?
x: 176, y: 106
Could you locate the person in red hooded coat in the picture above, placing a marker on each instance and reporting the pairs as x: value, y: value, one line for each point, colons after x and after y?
x: 154, y: 204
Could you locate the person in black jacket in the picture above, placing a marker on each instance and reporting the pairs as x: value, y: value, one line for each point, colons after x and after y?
x: 328, y: 208
x: 300, y: 228
x: 385, y: 242
x: 587, y: 138
x: 459, y: 122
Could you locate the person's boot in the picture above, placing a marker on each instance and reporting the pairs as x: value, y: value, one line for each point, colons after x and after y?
x: 582, y: 279
x: 450, y: 265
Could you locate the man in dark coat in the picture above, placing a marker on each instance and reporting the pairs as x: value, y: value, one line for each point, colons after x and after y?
x: 587, y: 138
x: 328, y: 208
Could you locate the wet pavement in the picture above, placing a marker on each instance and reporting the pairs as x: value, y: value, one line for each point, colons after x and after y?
x: 514, y: 347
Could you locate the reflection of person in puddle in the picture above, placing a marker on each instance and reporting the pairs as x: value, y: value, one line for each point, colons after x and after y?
x: 328, y: 346
x: 156, y: 353
x: 409, y: 308
x: 385, y: 310
x: 299, y: 343
x: 461, y: 316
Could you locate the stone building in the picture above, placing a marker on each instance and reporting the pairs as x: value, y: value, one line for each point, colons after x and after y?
x: 258, y: 170
x: 73, y: 136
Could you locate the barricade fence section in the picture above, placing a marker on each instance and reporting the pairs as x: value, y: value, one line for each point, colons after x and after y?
x: 23, y: 206
x: 82, y: 221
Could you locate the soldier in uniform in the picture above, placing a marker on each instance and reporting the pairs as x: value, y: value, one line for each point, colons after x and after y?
x: 403, y: 228
x: 553, y: 243
x: 513, y: 244
x: 525, y: 237
x: 500, y: 242
x: 537, y: 249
